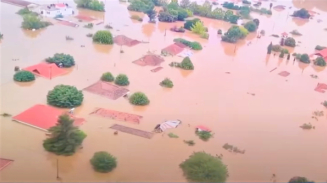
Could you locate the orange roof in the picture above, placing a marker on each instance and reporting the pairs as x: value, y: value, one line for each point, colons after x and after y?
x: 284, y: 34
x: 150, y: 59
x: 46, y: 70
x: 124, y: 40
x: 173, y: 49
x: 42, y: 117
x: 322, y: 53
x: 60, y: 5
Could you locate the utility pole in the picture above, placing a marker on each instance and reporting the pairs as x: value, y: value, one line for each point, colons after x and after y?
x: 58, y: 178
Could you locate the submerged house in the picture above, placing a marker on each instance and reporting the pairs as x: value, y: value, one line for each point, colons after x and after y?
x: 167, y: 125
x: 54, y: 10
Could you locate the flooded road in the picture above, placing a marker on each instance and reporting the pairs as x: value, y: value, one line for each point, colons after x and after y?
x: 265, y: 125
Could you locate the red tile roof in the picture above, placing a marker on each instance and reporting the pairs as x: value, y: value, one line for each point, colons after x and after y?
x: 203, y: 128
x: 322, y: 53
x: 173, y: 49
x: 46, y: 70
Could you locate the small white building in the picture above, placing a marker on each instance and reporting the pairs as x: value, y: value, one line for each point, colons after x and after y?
x: 54, y: 10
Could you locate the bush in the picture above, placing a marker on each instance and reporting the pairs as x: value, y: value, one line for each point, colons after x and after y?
x: 65, y: 59
x: 305, y: 58
x: 233, y: 19
x: 251, y: 26
x: 194, y: 45
x: 189, y: 23
x: 91, y: 4
x: 122, y: 80
x: 320, y: 62
x: 318, y: 47
x: 302, y: 13
x: 24, y: 76
x: 202, y: 167
x: 167, y: 83
x: 103, y: 162
x: 103, y: 37
x: 290, y: 42
x: 186, y: 64
x: 139, y: 98
x: 108, y: 77
x: 64, y: 138
x: 299, y: 180
x: 65, y: 96
x: 141, y: 5
x: 204, y: 135
x: 33, y: 22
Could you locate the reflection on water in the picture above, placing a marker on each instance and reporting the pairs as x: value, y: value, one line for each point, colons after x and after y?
x: 266, y: 125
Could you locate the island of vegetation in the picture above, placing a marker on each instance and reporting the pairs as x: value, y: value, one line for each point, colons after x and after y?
x: 122, y: 80
x: 234, y: 34
x: 302, y: 13
x: 103, y: 37
x: 61, y: 58
x: 31, y: 21
x: 24, y: 76
x: 64, y: 138
x: 139, y: 98
x: 186, y: 64
x: 103, y: 162
x: 65, y: 96
x: 108, y: 77
x: 208, y: 168
x: 319, y: 61
x: 91, y: 4
x: 167, y: 83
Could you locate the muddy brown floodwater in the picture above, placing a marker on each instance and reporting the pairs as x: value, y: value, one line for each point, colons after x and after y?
x: 265, y: 125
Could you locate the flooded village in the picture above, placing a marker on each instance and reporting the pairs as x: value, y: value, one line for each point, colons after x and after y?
x: 117, y: 91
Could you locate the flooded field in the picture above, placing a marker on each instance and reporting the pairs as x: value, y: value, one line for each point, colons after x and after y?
x: 265, y: 125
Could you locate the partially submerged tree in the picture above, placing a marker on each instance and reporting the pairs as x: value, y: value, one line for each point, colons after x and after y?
x: 103, y: 162
x: 290, y: 42
x: 281, y: 55
x: 103, y: 37
x: 234, y: 34
x: 141, y: 5
x: 185, y: 3
x: 122, y: 80
x: 139, y: 98
x: 24, y: 76
x: 186, y: 64
x: 204, y: 135
x: 298, y: 179
x: 320, y: 62
x: 65, y: 59
x: 65, y: 96
x: 202, y: 167
x: 302, y: 13
x: 288, y: 56
x: 108, y: 77
x: 189, y: 23
x: 305, y: 58
x: 251, y: 26
x: 64, y: 138
x: 167, y: 83
x: 198, y: 28
x: 1, y: 36
x: 91, y: 4
x: 33, y: 22
x: 152, y: 15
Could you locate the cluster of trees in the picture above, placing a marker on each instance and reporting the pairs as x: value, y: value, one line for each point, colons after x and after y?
x: 186, y: 64
x: 24, y: 76
x: 173, y: 12
x: 305, y: 58
x: 302, y: 13
x: 203, y: 167
x: 91, y: 4
x: 318, y: 47
x: 103, y: 162
x: 193, y: 45
x: 122, y: 80
x: 65, y: 96
x: 141, y: 5
x: 65, y: 59
x: 234, y: 34
x: 167, y: 83
x: 108, y: 77
x: 103, y: 37
x: 31, y: 21
x: 64, y: 138
x: 139, y: 98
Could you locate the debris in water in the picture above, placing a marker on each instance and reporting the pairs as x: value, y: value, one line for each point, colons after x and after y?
x: 232, y: 148
x: 171, y: 135
x: 318, y: 113
x: 273, y: 69
x: 189, y: 142
x: 227, y: 72
x: 314, y: 76
x: 5, y: 115
x: 306, y: 126
x: 253, y: 94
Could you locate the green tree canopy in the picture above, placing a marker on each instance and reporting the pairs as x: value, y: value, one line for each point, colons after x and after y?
x: 299, y: 180
x: 122, y: 80
x: 290, y: 42
x: 65, y: 59
x: 305, y: 58
x: 140, y: 5
x: 202, y: 167
x: 198, y: 28
x: 91, y: 4
x: 31, y: 21
x: 65, y: 137
x: 302, y: 13
x: 320, y: 62
x: 24, y: 76
x: 234, y: 33
x: 139, y: 98
x: 108, y: 77
x: 186, y: 64
x: 189, y: 23
x: 103, y: 37
x: 65, y: 96
x: 251, y: 26
x: 167, y: 83
x: 103, y: 162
